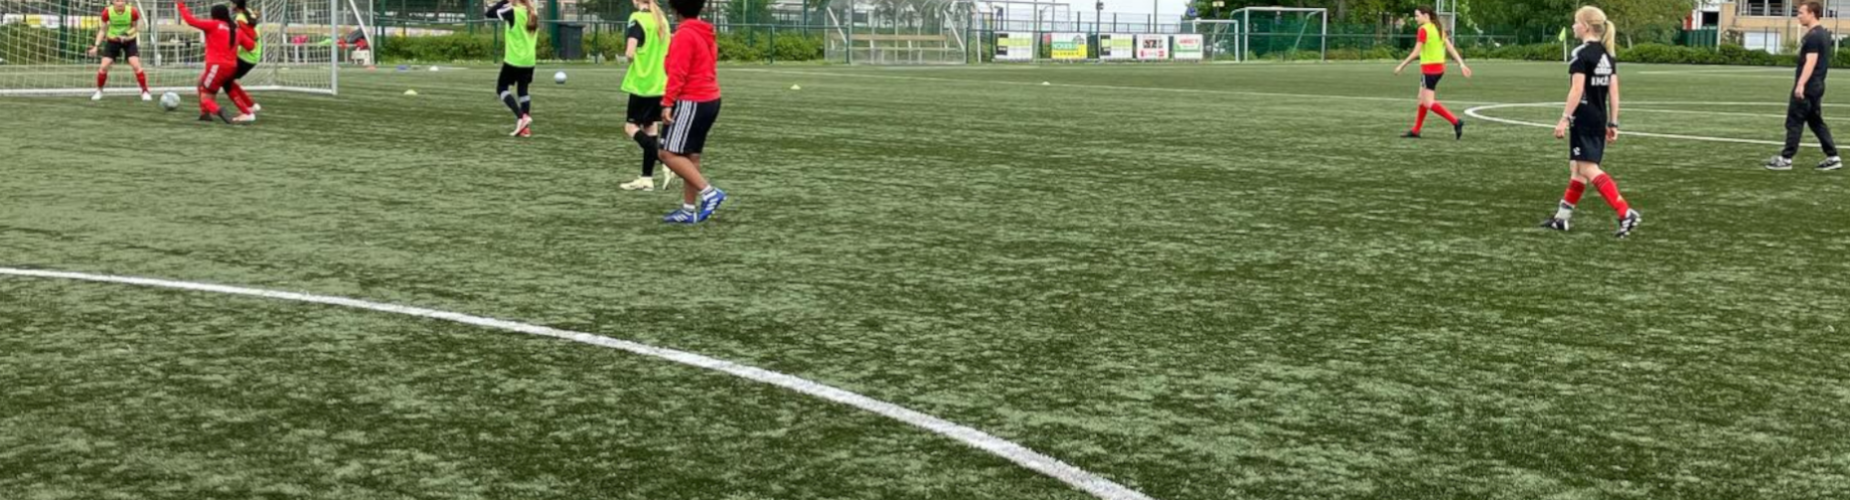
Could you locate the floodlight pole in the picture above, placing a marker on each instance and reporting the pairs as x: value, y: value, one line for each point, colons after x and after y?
x: 1098, y: 17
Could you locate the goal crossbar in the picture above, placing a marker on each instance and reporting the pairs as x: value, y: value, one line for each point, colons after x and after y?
x: 44, y: 47
x: 1242, y: 20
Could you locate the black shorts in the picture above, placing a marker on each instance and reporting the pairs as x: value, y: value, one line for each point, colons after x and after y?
x: 1586, y: 145
x: 692, y: 121
x: 121, y: 50
x: 244, y: 68
x: 511, y: 75
x: 1430, y: 82
x: 644, y: 111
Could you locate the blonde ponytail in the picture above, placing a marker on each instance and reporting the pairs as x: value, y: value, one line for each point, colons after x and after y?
x: 661, y: 21
x: 1596, y: 21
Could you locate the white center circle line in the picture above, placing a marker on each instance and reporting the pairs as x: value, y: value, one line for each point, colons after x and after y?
x: 1088, y: 482
x: 1476, y: 113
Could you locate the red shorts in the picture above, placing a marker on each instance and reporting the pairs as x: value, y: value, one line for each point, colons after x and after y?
x: 216, y: 76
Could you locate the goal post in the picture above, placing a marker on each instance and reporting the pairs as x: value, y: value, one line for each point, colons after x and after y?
x: 1262, y: 32
x: 1220, y: 38
x: 44, y: 46
x: 903, y: 33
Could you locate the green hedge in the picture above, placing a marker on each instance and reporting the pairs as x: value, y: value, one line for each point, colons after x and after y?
x: 1657, y: 53
x: 1369, y: 54
x: 1728, y: 54
x: 454, y: 47
x: 1530, y: 52
x: 757, y: 46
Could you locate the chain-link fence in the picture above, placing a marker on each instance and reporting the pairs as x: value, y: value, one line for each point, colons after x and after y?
x: 932, y: 32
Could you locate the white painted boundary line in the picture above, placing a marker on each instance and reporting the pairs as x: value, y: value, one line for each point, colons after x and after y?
x: 1629, y: 109
x: 1716, y: 72
x: 1474, y: 113
x: 1409, y: 99
x: 1097, y: 486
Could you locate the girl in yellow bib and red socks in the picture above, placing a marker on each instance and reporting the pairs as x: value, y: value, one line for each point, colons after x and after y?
x: 1431, y: 48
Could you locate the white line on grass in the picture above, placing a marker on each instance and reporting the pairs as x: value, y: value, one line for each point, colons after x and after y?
x: 1723, y: 71
x: 1474, y: 113
x: 1629, y: 109
x: 1085, y: 481
x: 1101, y: 87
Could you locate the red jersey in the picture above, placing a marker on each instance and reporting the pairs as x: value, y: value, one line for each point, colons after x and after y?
x: 222, y: 41
x: 691, y: 64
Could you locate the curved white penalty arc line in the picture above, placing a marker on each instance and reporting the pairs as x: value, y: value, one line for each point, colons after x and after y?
x: 1475, y: 113
x: 1088, y: 482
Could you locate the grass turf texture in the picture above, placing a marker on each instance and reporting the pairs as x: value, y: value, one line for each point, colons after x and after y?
x: 1203, y: 282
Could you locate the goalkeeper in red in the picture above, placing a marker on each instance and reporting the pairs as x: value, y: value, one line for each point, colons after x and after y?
x: 223, y: 40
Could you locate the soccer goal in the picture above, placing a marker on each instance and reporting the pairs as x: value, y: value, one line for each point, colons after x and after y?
x: 1267, y: 33
x: 44, y: 46
x: 884, y: 32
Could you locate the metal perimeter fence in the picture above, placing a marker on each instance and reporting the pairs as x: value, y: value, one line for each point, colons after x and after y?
x: 911, y: 32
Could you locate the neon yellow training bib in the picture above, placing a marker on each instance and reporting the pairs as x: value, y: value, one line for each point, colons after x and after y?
x: 1433, y: 52
x: 645, y: 76
x: 255, y: 55
x: 520, y: 46
x: 121, y: 22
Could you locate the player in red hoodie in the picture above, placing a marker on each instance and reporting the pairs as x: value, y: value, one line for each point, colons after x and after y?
x: 222, y: 41
x: 690, y: 106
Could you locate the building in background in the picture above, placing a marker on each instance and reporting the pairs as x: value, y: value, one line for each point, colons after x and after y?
x: 1768, y: 24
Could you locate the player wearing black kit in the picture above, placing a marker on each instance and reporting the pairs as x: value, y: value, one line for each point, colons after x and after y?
x: 1593, y: 65
x: 1590, y: 120
x: 1806, y: 106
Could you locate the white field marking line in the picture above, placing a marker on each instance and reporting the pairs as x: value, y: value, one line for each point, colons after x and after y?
x: 1629, y: 109
x: 1103, y: 87
x: 1474, y: 113
x: 1787, y: 76
x: 1714, y: 71
x: 1099, y: 487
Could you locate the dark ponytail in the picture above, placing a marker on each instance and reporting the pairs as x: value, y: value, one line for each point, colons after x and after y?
x: 222, y: 14
x: 1434, y: 16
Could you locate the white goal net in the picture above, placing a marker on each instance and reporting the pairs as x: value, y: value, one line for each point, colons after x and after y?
x: 1285, y: 33
x: 44, y: 46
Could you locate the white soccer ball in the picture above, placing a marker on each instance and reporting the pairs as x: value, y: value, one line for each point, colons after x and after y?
x: 170, y: 101
x: 559, y: 78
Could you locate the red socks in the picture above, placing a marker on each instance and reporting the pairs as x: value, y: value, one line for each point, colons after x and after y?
x: 1610, y: 192
x: 1420, y: 123
x: 208, y: 104
x: 102, y: 80
x: 1443, y: 113
x: 239, y: 98
x: 1574, y: 190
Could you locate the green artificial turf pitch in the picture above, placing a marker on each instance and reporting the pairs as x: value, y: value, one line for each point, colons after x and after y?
x: 1203, y: 282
